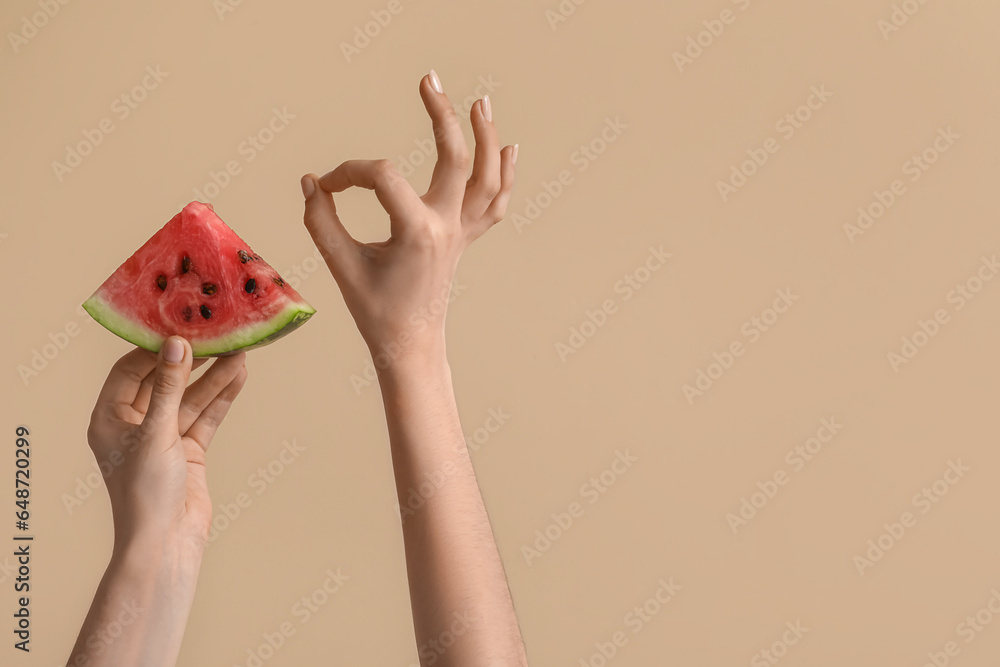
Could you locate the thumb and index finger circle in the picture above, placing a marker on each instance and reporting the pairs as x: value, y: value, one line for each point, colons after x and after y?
x: 335, y: 243
x: 393, y: 191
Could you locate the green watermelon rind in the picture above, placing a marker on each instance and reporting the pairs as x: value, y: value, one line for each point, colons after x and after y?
x: 247, y: 338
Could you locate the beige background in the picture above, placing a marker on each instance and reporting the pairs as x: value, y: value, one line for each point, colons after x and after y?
x: 526, y: 285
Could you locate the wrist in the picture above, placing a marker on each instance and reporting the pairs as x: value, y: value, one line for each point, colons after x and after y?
x: 414, y: 357
x: 148, y: 553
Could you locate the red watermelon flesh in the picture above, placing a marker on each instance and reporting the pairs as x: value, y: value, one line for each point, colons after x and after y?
x: 197, y: 279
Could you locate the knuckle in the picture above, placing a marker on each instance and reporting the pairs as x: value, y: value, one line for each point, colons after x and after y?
x: 491, y: 189
x: 445, y: 236
x: 387, y: 173
x: 327, y: 240
x: 309, y: 216
x: 128, y: 372
x: 189, y: 409
x: 423, y: 233
x: 384, y: 169
x: 433, y: 238
x: 487, y: 188
x: 459, y: 154
x: 166, y: 383
x: 500, y: 213
x: 211, y: 422
x: 93, y: 433
x: 451, y: 143
x: 448, y: 122
x: 496, y: 213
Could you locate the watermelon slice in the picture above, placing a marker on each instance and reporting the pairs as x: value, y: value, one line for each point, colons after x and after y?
x: 197, y: 279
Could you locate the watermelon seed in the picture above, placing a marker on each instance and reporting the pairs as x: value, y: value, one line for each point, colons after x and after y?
x: 278, y: 281
x: 250, y: 286
x: 205, y: 312
x: 185, y: 264
x: 208, y: 288
x: 244, y: 257
x: 187, y: 313
x: 161, y: 281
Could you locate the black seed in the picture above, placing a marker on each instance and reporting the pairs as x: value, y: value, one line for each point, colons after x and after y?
x: 256, y: 256
x: 250, y: 286
x: 161, y: 281
x: 205, y: 312
x: 278, y: 281
x: 187, y: 313
x: 208, y: 288
x: 185, y: 264
x: 244, y: 257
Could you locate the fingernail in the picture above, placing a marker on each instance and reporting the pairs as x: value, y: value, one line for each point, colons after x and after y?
x: 436, y: 82
x: 487, y: 108
x: 308, y: 187
x: 173, y: 350
x: 513, y: 158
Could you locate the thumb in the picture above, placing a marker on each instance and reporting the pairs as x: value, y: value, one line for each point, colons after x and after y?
x: 335, y: 243
x: 173, y: 369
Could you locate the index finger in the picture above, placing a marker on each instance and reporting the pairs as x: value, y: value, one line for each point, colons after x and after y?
x: 126, y: 377
x: 393, y: 191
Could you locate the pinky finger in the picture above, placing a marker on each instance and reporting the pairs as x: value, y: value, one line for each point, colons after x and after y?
x: 204, y: 427
x: 497, y: 209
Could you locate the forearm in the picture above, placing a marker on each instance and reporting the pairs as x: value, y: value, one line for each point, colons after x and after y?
x: 456, y: 579
x: 140, y: 608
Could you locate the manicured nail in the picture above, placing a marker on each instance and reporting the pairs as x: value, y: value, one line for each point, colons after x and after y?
x: 513, y: 158
x: 436, y: 82
x: 173, y: 350
x: 487, y: 108
x: 308, y: 187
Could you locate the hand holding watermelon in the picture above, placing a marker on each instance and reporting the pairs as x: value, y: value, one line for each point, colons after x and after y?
x: 195, y: 278
x: 397, y: 290
x: 149, y: 432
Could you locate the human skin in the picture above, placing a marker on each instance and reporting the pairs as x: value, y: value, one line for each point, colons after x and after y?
x: 151, y: 429
x: 396, y: 291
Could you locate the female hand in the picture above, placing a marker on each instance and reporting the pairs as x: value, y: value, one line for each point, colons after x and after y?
x: 397, y: 290
x: 150, y: 431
